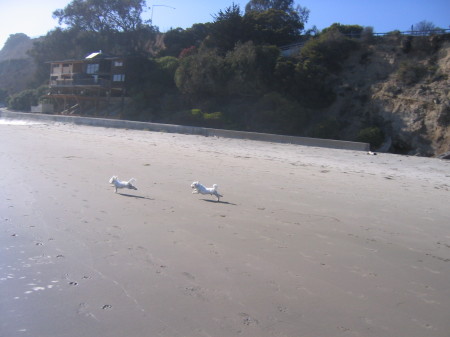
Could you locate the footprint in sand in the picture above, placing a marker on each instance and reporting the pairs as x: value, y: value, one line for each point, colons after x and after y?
x: 282, y: 308
x: 188, y: 275
x: 248, y: 320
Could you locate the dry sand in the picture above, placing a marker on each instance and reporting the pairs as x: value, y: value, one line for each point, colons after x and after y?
x: 307, y: 241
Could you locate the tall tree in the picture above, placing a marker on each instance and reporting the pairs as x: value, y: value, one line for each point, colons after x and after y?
x: 102, y: 15
x: 297, y: 13
x: 178, y: 39
x: 264, y: 5
x: 288, y: 6
x: 426, y: 28
x: 202, y: 75
x: 227, y: 29
x: 275, y: 21
x: 275, y: 27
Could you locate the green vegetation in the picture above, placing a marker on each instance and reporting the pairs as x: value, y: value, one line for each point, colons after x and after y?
x: 444, y: 115
x: 411, y: 73
x: 25, y: 99
x: 372, y: 135
x: 3, y: 95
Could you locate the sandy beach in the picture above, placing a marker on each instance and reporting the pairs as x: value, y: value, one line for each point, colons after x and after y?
x: 306, y: 241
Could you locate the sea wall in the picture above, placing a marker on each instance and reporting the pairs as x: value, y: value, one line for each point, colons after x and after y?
x: 207, y: 132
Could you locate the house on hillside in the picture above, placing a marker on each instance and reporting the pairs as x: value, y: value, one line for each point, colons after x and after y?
x: 88, y: 85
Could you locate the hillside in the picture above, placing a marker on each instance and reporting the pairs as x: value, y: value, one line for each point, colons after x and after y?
x: 16, y: 67
x: 16, y: 47
x: 401, y: 85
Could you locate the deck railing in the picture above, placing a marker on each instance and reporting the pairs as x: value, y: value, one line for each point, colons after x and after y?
x: 80, y: 82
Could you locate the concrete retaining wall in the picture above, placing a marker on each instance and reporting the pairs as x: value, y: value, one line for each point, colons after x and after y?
x: 193, y: 130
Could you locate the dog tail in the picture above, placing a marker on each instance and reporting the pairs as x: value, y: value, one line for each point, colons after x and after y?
x: 216, y: 192
x: 130, y: 184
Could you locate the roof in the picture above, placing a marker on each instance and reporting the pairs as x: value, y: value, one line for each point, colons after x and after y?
x: 99, y: 54
x: 94, y: 55
x: 91, y: 56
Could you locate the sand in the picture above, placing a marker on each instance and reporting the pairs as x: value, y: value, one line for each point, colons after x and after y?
x: 305, y: 242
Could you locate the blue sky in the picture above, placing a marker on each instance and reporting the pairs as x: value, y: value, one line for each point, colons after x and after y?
x: 34, y: 18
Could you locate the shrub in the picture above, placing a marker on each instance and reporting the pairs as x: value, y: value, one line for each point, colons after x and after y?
x: 3, y: 95
x: 276, y: 113
x: 212, y: 116
x: 187, y: 52
x: 422, y: 44
x: 372, y: 135
x: 328, y: 129
x: 367, y: 34
x: 196, y: 113
x: 410, y: 73
x: 196, y: 117
x: 353, y: 31
x: 213, y: 120
x: 444, y: 116
x: 202, y: 75
x: 329, y: 50
x: 25, y: 99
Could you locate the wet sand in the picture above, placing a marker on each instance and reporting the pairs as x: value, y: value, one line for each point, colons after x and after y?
x: 305, y: 242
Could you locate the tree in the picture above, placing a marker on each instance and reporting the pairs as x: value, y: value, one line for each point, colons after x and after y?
x: 329, y: 50
x: 227, y: 29
x: 354, y: 31
x: 102, y: 15
x: 178, y: 39
x: 23, y: 100
x: 3, y: 95
x: 58, y: 44
x: 298, y: 13
x: 250, y: 69
x: 277, y: 22
x: 273, y: 26
x: 202, y: 75
x: 264, y: 5
x: 425, y: 28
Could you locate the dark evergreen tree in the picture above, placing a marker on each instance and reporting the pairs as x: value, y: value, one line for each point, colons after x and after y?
x: 102, y: 15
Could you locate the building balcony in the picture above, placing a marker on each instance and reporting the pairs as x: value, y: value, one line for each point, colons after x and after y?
x: 80, y: 82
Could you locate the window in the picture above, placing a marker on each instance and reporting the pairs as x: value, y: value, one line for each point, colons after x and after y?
x: 66, y: 69
x: 118, y: 63
x: 56, y: 68
x: 92, y: 68
x: 118, y: 78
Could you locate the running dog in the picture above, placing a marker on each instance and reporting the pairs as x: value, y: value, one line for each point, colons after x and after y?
x: 200, y: 189
x: 122, y: 184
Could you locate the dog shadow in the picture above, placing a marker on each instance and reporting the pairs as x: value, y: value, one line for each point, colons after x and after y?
x: 135, y: 196
x: 219, y: 202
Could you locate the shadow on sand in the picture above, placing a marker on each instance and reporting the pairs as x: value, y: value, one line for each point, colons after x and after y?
x: 135, y: 196
x: 219, y: 202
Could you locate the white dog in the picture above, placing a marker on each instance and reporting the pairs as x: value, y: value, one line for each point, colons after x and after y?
x: 200, y: 189
x: 122, y: 184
